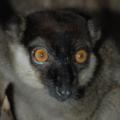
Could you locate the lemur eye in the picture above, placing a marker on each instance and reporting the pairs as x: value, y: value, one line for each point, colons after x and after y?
x: 81, y: 56
x: 40, y: 55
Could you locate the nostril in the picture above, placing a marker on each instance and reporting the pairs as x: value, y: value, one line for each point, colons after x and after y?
x: 68, y: 93
x: 63, y: 92
x: 58, y: 91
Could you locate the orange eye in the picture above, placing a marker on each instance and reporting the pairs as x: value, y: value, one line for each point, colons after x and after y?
x: 81, y: 56
x: 40, y: 55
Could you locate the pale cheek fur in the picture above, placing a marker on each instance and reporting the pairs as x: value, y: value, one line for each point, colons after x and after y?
x: 23, y: 67
x: 87, y: 74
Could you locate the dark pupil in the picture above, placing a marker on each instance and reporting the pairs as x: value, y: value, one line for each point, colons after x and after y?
x: 81, y: 55
x: 41, y: 55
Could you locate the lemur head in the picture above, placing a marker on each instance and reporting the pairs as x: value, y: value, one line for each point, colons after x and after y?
x: 58, y: 49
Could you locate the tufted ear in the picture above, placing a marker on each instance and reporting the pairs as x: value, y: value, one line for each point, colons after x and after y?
x: 15, y: 27
x: 95, y: 30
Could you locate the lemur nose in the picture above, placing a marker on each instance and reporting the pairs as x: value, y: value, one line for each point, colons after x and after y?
x: 63, y: 93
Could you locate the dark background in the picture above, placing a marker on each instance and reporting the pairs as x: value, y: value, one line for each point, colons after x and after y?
x: 31, y: 5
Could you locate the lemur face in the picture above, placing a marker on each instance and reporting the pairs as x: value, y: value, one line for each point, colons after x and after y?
x: 60, y: 52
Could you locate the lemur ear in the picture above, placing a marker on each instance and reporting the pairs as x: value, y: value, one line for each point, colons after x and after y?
x: 15, y: 27
x: 95, y: 30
